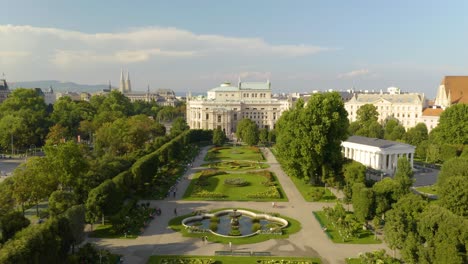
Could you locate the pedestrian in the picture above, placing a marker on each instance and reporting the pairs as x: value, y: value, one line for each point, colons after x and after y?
x: 174, y: 194
x: 175, y: 211
x: 230, y: 246
x: 206, y: 240
x: 273, y: 204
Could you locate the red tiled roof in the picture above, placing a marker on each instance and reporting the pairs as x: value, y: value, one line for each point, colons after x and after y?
x: 458, y: 87
x: 432, y: 111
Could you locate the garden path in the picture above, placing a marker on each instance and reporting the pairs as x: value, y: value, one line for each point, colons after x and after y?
x: 311, y: 241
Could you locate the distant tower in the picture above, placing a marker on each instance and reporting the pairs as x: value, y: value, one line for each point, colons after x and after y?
x: 128, y: 86
x: 110, y: 86
x: 122, y: 82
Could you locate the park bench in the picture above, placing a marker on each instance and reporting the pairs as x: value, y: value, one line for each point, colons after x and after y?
x: 261, y: 253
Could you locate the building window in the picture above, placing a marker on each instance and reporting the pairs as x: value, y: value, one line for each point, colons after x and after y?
x: 207, y: 116
x: 219, y: 118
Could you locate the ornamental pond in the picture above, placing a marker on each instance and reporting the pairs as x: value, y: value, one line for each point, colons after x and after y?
x: 235, y: 223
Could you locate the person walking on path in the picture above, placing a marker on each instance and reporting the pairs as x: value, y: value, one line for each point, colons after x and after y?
x: 273, y: 205
x: 174, y: 194
x: 230, y: 246
x: 175, y: 211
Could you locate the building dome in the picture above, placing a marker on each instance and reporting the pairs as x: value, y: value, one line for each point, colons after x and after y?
x: 226, y: 84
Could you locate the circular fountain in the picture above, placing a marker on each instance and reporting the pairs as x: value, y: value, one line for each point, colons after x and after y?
x: 235, y: 223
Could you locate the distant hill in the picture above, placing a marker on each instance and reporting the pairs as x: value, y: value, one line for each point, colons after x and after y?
x: 59, y: 86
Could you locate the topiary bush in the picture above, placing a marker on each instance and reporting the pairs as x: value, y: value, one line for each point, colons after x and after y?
x: 239, y: 182
x: 214, y: 226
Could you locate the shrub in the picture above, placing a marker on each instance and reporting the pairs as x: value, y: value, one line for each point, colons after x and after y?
x: 206, y: 194
x: 317, y: 194
x: 239, y: 182
x: 213, y: 226
x: 256, y: 227
x: 271, y: 192
x: 235, y: 232
x: 214, y: 219
x: 255, y: 220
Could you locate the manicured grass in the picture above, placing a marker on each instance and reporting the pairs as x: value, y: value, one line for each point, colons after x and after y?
x: 106, y: 231
x: 233, y: 260
x: 234, y: 153
x: 430, y: 189
x: 306, y: 189
x: 234, y: 193
x: 363, y: 236
x: 293, y: 227
x: 236, y: 165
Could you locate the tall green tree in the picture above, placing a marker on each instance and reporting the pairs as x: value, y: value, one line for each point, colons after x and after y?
x: 453, y: 195
x: 11, y: 223
x: 247, y: 131
x: 219, y: 138
x: 25, y: 111
x: 263, y: 136
x: 309, y: 138
x: 179, y: 125
x: 103, y: 200
x: 394, y: 130
x: 366, y: 123
x: 451, y: 168
x: 403, y: 177
x: 416, y: 135
x: 363, y: 202
x: 453, y: 126
x: 60, y: 201
x: 401, y: 223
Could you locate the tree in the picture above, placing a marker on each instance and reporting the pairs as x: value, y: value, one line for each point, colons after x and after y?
x: 367, y: 124
x: 102, y: 200
x: 219, y: 138
x: 57, y: 134
x: 363, y: 201
x: 309, y: 138
x: 453, y: 126
x: 403, y: 177
x: 354, y: 172
x: 453, y: 167
x: 394, y: 130
x: 263, y: 136
x: 443, y: 236
x: 12, y: 223
x: 453, y: 195
x: 385, y: 195
x: 76, y: 220
x: 247, y: 131
x: 416, y: 135
x: 60, y: 201
x: 401, y: 221
x: 7, y: 202
x: 178, y: 126
x: 25, y: 111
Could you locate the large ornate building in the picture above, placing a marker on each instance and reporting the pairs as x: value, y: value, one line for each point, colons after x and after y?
x: 405, y: 107
x: 226, y: 105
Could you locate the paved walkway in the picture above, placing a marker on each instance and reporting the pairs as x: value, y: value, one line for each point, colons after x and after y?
x: 310, y: 241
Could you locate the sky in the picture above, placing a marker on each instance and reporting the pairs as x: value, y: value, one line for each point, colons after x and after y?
x: 300, y: 46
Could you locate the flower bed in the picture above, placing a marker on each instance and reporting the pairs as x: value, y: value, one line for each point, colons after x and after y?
x: 272, y: 192
x: 239, y: 182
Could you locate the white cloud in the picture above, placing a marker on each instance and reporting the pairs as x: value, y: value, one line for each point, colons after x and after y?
x: 355, y: 73
x: 66, y: 48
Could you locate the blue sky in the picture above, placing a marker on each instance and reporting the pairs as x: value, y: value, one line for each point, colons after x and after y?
x: 195, y: 45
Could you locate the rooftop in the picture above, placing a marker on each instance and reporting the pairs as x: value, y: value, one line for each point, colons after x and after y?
x: 432, y: 111
x: 375, y: 142
x: 458, y: 88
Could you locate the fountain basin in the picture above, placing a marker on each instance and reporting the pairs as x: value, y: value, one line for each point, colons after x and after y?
x: 245, y: 223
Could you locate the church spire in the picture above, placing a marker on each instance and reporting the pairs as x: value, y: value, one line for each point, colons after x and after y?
x: 128, y: 86
x: 122, y: 87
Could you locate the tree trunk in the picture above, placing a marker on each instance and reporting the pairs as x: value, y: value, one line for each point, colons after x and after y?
x: 103, y: 219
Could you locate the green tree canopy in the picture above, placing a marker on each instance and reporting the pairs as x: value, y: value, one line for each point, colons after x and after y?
x: 416, y: 135
x: 403, y: 177
x: 453, y: 167
x: 453, y: 126
x: 247, y: 131
x: 453, y: 194
x: 219, y: 138
x: 179, y: 125
x: 11, y: 223
x: 309, y: 138
x: 394, y: 130
x: 366, y: 123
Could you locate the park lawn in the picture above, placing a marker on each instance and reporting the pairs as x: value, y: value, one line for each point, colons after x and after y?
x: 430, y: 189
x: 293, y: 227
x: 353, y: 261
x: 234, y: 153
x: 106, y: 231
x: 234, y: 193
x: 305, y: 189
x: 363, y: 236
x: 233, y: 260
x: 236, y: 165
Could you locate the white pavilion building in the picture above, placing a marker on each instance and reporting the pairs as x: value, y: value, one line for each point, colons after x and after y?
x: 377, y: 153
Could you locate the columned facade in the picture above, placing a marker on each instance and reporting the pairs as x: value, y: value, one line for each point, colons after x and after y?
x: 378, y: 154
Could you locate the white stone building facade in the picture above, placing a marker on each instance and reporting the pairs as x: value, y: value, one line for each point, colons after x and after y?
x: 378, y: 154
x: 226, y: 105
x: 407, y: 108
